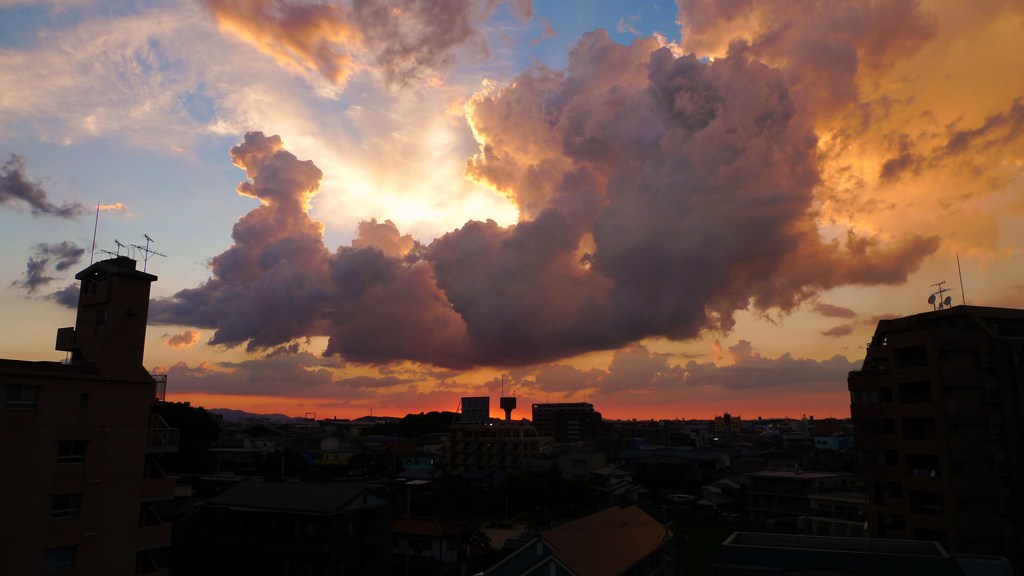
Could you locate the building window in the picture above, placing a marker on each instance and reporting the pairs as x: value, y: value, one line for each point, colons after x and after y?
x: 101, y: 322
x: 916, y: 392
x: 918, y: 428
x: 59, y: 560
x: 930, y: 503
x: 911, y: 357
x: 71, y: 451
x: 22, y: 397
x: 65, y: 506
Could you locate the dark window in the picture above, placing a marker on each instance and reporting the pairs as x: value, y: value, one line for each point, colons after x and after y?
x: 101, y: 322
x: 915, y: 392
x: 893, y: 490
x: 65, y: 506
x: 888, y: 425
x: 895, y: 522
x: 918, y: 428
x: 930, y: 503
x: 83, y: 400
x: 58, y: 560
x: 892, y: 457
x: 885, y: 394
x: 71, y: 451
x: 911, y: 356
x: 22, y: 397
x: 923, y: 465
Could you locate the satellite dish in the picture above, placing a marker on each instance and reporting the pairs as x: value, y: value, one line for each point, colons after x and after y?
x: 947, y: 300
x: 931, y: 299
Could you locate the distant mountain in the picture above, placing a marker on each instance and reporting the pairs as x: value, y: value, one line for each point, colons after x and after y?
x: 230, y: 415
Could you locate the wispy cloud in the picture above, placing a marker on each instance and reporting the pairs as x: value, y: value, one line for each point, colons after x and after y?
x: 16, y: 187
x: 46, y: 259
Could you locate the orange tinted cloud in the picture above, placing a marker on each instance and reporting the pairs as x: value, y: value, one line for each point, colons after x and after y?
x: 186, y: 339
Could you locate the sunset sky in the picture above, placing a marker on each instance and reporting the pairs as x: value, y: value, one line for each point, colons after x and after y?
x: 668, y: 209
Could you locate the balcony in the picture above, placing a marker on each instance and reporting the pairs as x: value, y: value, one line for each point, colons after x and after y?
x: 161, y: 386
x: 67, y: 340
x: 162, y: 439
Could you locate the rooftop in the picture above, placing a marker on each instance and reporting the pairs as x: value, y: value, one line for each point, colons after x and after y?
x: 316, y: 499
x: 606, y: 543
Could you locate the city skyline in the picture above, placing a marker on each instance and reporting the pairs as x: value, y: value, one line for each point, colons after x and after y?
x: 667, y: 211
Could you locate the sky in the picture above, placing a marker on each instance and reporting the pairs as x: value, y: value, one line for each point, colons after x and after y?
x: 667, y: 209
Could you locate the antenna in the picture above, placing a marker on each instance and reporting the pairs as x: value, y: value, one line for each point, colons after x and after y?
x: 936, y: 299
x: 961, y: 274
x: 147, y: 251
x: 95, y: 226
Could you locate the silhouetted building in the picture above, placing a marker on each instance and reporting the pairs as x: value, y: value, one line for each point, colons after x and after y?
x: 497, y: 445
x: 433, y: 546
x: 569, y: 422
x: 283, y: 528
x: 748, y: 553
x: 938, y: 410
x: 806, y: 502
x: 612, y: 542
x: 77, y: 440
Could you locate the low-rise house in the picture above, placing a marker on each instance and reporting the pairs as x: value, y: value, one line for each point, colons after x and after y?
x: 613, y: 542
x: 430, y: 545
x: 747, y: 553
x: 290, y: 528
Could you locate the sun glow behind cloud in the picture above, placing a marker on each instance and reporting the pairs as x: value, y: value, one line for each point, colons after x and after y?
x: 920, y: 136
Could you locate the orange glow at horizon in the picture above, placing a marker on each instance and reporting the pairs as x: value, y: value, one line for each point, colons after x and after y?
x: 820, y: 406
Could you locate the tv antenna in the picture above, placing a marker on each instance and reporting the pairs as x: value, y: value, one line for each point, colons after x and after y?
x: 119, y: 247
x: 936, y: 299
x: 147, y: 251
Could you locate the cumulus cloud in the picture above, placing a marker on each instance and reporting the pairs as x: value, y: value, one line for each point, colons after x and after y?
x: 819, y: 46
x: 47, y: 259
x: 659, y: 195
x: 16, y: 188
x: 186, y: 339
x: 405, y: 38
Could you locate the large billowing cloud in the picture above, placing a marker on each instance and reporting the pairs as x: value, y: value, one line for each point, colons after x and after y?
x: 659, y: 195
x: 404, y: 38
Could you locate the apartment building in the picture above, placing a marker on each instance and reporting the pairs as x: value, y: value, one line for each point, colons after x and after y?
x: 78, y: 440
x: 567, y: 422
x: 938, y: 407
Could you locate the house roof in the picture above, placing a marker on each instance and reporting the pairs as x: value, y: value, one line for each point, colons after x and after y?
x: 316, y: 499
x: 423, y: 526
x: 790, y: 553
x: 606, y: 543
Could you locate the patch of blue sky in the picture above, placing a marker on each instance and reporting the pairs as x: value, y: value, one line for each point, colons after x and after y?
x: 20, y: 24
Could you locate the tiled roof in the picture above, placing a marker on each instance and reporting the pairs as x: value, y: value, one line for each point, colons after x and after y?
x: 606, y: 543
x: 422, y: 526
x: 319, y: 499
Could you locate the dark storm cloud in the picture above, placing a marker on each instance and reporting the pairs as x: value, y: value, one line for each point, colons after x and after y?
x: 404, y: 38
x: 46, y: 257
x: 658, y: 196
x: 15, y: 187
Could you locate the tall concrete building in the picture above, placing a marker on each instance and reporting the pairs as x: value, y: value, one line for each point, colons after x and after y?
x: 938, y: 412
x: 77, y: 440
x: 567, y: 422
